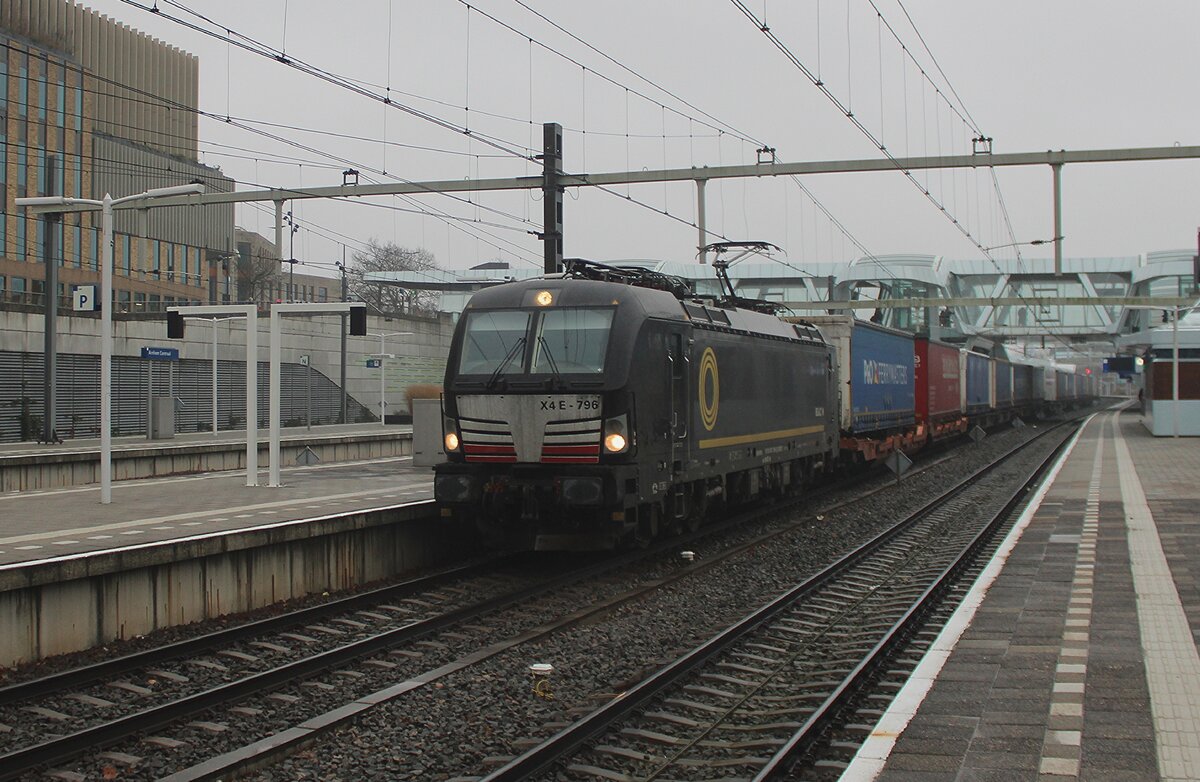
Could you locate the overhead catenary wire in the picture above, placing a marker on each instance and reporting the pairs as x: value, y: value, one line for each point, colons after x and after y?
x: 854, y: 120
x: 274, y: 136
x: 723, y: 126
x: 845, y: 110
x: 713, y: 123
x: 230, y: 34
x: 159, y: 101
x: 252, y: 45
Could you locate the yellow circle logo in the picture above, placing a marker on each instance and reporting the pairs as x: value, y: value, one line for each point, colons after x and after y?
x: 709, y: 402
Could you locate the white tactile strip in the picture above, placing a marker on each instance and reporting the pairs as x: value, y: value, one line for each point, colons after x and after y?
x: 871, y: 757
x: 1062, y: 743
x: 1171, y: 659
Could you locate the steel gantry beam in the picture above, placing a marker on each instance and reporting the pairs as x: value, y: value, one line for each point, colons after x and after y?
x: 1144, y: 302
x: 1050, y: 158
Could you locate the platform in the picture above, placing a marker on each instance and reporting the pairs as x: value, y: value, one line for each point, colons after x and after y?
x: 28, y: 466
x: 75, y: 573
x: 1075, y: 655
x: 35, y: 525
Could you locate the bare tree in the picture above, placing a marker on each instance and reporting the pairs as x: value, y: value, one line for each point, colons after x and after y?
x: 258, y: 277
x: 389, y: 257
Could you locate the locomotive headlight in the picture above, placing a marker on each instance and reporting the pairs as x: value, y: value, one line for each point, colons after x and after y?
x: 450, y: 440
x: 543, y: 298
x: 616, y: 434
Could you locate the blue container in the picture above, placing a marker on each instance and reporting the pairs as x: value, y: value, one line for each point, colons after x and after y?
x: 881, y: 378
x: 1022, y: 384
x: 1004, y: 382
x: 979, y: 383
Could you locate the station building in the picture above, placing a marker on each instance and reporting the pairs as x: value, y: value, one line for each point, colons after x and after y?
x: 90, y: 106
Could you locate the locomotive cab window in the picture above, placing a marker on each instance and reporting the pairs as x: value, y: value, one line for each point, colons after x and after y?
x: 494, y: 342
x: 571, y: 341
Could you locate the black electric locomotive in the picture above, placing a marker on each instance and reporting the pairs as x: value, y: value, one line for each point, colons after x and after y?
x: 605, y: 405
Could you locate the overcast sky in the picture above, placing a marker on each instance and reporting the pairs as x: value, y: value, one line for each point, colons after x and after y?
x: 1032, y: 74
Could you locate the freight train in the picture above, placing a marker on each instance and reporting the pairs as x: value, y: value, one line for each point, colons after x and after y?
x: 606, y: 405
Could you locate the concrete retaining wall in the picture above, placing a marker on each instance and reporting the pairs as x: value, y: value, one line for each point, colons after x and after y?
x: 74, y: 603
x: 420, y: 356
x: 56, y: 470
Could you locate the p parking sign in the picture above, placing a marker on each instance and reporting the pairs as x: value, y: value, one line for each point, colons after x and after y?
x: 83, y: 298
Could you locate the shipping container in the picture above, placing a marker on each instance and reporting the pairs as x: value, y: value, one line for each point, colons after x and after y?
x: 1002, y: 384
x: 1049, y: 384
x: 875, y: 366
x: 1066, y: 385
x: 938, y: 381
x: 977, y: 390
x: 1023, y: 387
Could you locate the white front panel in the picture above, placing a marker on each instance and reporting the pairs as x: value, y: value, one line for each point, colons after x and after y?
x: 527, y: 415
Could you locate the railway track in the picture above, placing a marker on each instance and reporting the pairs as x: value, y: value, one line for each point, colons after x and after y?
x: 374, y: 655
x: 753, y: 702
x: 127, y: 698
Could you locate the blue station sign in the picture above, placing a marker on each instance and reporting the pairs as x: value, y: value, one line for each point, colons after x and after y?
x: 161, y: 354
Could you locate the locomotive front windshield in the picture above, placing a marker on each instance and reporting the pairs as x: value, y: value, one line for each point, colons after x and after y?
x: 570, y: 340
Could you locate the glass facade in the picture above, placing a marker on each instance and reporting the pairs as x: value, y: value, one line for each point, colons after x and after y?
x: 45, y: 149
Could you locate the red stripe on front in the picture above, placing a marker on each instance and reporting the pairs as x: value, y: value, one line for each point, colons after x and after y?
x: 571, y: 450
x: 493, y: 449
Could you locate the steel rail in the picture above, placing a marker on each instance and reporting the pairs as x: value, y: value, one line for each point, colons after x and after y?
x: 84, y: 675
x: 896, y: 636
x: 27, y: 759
x: 541, y: 758
x: 261, y: 753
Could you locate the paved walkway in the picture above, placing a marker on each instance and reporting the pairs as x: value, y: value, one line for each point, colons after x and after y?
x: 1079, y: 660
x: 39, y: 525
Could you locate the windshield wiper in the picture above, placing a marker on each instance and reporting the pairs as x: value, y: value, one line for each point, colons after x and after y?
x: 512, y: 353
x: 549, y: 358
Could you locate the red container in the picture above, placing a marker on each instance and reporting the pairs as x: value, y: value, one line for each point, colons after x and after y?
x: 938, y: 381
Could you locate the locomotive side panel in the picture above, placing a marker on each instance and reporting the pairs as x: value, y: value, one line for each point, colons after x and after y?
x: 659, y: 423
x: 758, y: 397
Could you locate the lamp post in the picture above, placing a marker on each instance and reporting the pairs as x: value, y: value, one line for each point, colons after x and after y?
x: 105, y: 205
x: 291, y: 221
x: 383, y: 357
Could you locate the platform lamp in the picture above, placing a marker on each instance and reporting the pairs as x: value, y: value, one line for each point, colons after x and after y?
x: 105, y: 205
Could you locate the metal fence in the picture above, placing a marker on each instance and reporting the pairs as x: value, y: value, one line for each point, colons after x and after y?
x: 133, y: 381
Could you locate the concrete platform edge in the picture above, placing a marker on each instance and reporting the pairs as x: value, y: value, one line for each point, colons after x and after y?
x: 73, y: 603
x: 869, y: 761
